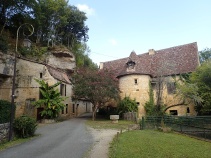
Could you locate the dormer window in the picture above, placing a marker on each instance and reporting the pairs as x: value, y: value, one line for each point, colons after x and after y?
x: 131, y: 64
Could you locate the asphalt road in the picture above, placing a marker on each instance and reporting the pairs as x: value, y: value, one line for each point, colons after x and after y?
x: 68, y: 139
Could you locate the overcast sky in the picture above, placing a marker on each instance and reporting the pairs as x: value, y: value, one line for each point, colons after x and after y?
x: 117, y: 27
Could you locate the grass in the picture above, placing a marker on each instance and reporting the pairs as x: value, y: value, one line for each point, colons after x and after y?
x: 15, y: 141
x: 107, y: 124
x: 155, y: 144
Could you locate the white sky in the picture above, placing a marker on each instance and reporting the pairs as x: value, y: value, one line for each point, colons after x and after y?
x: 117, y: 27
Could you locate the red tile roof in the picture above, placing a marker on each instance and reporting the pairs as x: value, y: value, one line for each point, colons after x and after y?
x: 175, y: 60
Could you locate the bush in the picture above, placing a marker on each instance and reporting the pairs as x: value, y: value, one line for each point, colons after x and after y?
x: 4, y: 111
x: 24, y: 126
x: 127, y: 105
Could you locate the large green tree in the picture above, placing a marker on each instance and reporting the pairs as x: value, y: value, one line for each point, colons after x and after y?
x: 100, y: 87
x: 202, y: 78
x: 197, y: 88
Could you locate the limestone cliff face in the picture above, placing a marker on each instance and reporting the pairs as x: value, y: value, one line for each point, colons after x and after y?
x: 62, y: 59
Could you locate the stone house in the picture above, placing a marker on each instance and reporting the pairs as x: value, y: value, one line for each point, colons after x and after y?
x: 58, y: 66
x: 137, y: 72
x: 81, y: 106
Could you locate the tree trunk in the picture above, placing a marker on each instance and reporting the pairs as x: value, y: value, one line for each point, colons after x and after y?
x: 94, y: 110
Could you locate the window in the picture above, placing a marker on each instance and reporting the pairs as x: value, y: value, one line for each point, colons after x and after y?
x: 171, y: 87
x: 136, y: 81
x: 40, y: 75
x: 63, y: 90
x: 73, y: 108
x: 173, y: 112
x: 138, y: 103
x: 130, y: 64
x: 66, y: 108
x: 63, y: 110
x: 188, y: 110
x: 153, y: 85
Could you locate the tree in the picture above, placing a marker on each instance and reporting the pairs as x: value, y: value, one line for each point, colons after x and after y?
x: 202, y: 78
x: 159, y: 82
x: 197, y: 88
x: 205, y: 55
x: 100, y: 87
x: 51, y: 101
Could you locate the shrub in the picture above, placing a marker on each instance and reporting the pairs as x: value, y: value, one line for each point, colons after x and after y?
x: 127, y: 105
x: 24, y: 126
x: 52, y: 101
x: 4, y: 111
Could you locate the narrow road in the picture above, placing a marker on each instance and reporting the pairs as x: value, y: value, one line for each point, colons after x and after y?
x: 68, y: 139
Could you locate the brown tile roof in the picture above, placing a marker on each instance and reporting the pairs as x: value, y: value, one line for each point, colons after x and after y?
x: 57, y: 74
x: 175, y: 60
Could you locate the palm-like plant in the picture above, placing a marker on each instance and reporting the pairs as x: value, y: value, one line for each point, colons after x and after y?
x: 51, y: 101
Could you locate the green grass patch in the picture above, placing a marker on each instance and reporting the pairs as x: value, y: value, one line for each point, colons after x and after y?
x: 107, y: 124
x: 155, y: 144
x: 15, y: 141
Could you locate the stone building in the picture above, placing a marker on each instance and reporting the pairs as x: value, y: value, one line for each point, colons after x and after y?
x: 58, y: 66
x: 137, y: 72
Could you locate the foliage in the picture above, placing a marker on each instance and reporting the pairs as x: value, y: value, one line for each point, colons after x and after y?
x: 51, y: 101
x: 151, y: 144
x: 205, y: 55
x: 197, y: 88
x: 81, y: 51
x: 99, y: 87
x: 3, y: 44
x: 55, y: 21
x: 150, y: 107
x: 127, y: 105
x: 202, y: 78
x: 24, y: 126
x: 5, y: 107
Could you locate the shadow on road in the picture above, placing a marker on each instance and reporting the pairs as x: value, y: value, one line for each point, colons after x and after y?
x: 85, y: 115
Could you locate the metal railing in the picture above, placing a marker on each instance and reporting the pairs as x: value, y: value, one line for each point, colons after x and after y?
x: 199, y: 126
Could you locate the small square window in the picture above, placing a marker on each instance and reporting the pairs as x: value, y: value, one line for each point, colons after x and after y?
x: 40, y: 75
x: 136, y: 81
x: 173, y: 112
x: 171, y: 88
x: 188, y: 110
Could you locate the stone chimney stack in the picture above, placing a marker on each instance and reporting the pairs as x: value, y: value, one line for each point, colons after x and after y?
x: 101, y: 65
x: 151, y: 51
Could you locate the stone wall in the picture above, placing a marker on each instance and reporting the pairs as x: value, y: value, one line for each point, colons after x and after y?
x: 81, y: 106
x: 4, y: 131
x: 136, y: 87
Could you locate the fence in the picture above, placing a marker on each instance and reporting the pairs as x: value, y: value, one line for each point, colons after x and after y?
x: 199, y: 126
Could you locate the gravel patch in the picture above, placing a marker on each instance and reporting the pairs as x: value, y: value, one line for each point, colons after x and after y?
x: 102, y: 138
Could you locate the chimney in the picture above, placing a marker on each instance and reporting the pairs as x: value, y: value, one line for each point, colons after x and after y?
x: 101, y: 65
x: 151, y: 51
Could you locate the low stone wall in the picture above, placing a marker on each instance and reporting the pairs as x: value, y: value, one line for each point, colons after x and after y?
x: 4, y: 130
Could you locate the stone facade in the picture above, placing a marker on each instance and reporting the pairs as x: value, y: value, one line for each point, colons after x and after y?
x: 136, y: 72
x: 81, y: 106
x: 4, y: 130
x: 58, y: 67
